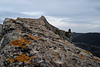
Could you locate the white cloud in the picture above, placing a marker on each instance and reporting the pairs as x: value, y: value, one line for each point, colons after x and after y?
x: 66, y: 23
x: 33, y: 13
x: 94, y: 26
x: 79, y: 15
x: 60, y: 22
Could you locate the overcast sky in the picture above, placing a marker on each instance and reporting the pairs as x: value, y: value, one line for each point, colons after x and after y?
x: 79, y: 15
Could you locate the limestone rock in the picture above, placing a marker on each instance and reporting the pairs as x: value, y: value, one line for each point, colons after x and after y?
x: 35, y: 43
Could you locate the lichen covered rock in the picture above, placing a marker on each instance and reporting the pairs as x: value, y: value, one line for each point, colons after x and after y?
x: 33, y: 43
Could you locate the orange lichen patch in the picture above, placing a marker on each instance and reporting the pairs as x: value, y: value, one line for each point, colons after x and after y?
x: 33, y: 37
x: 23, y: 46
x: 3, y: 58
x: 60, y: 38
x: 31, y: 64
x: 86, y: 52
x: 27, y: 42
x: 20, y: 42
x: 23, y: 58
x: 22, y: 39
x: 96, y: 59
x: 81, y: 56
x: 17, y: 43
x: 10, y: 60
x: 31, y: 57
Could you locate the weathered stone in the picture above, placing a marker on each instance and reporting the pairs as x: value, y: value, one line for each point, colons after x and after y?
x: 35, y: 43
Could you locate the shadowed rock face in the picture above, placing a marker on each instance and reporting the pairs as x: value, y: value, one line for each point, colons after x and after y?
x: 0, y: 31
x: 35, y: 43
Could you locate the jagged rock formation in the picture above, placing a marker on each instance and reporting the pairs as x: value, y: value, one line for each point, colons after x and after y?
x: 65, y: 35
x: 35, y: 43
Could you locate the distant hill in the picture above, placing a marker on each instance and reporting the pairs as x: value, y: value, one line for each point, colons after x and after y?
x: 88, y: 41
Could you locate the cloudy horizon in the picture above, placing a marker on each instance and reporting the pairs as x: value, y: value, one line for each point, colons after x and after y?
x: 79, y: 15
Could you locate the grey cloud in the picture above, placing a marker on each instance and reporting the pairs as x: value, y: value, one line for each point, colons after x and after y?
x: 80, y: 11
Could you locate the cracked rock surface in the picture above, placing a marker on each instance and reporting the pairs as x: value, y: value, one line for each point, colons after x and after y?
x: 35, y: 43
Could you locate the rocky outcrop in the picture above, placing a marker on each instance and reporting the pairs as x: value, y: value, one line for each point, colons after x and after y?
x: 35, y: 43
x: 65, y: 35
x: 0, y: 31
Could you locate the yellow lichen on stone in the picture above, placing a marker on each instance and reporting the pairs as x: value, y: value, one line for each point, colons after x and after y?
x: 10, y: 60
x: 20, y: 42
x: 31, y: 57
x: 23, y: 58
x: 22, y: 39
x: 23, y: 46
x: 27, y: 42
x: 17, y: 43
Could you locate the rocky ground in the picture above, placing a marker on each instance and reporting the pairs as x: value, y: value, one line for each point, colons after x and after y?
x: 29, y: 42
